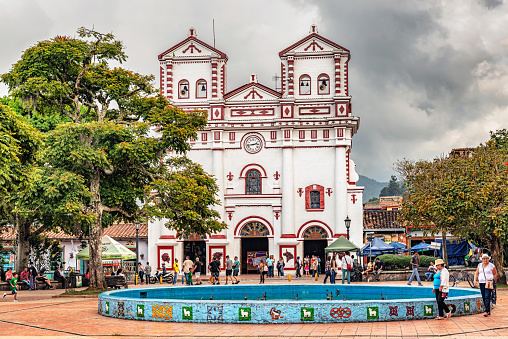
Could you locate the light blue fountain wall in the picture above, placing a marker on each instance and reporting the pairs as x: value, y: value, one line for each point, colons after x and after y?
x: 125, y: 305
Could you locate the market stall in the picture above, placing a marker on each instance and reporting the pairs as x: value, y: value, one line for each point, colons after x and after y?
x: 114, y: 256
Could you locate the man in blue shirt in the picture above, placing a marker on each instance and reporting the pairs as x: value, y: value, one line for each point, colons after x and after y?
x: 269, y: 263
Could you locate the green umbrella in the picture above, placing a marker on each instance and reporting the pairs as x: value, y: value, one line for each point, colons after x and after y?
x: 342, y: 245
x: 111, y: 249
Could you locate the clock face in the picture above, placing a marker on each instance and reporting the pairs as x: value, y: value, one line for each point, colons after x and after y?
x: 252, y: 144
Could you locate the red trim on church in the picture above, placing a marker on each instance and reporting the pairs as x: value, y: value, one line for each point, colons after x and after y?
x: 321, y: 224
x: 252, y: 84
x: 192, y: 38
x: 242, y: 222
x: 308, y: 37
x: 321, y: 191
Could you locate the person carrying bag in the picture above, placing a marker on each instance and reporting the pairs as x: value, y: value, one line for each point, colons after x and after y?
x: 485, y: 276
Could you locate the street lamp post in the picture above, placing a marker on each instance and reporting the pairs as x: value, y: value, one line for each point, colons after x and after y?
x: 409, y: 237
x: 137, y: 253
x: 347, y: 221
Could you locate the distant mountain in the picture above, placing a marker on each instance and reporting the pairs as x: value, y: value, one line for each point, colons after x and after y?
x: 372, y: 187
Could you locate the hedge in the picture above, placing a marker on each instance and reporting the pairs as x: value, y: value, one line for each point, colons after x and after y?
x: 393, y: 261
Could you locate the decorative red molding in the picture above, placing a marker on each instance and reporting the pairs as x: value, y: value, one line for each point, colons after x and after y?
x: 292, y: 251
x: 222, y: 249
x: 167, y: 237
x: 300, y: 191
x: 230, y: 215
x: 253, y: 166
x: 170, y: 250
x: 321, y: 191
x: 230, y: 176
x: 329, y: 191
x: 277, y: 214
x: 276, y: 175
x: 353, y: 199
x: 218, y: 236
x: 288, y: 236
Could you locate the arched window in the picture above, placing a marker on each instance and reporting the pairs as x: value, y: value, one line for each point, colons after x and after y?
x: 304, y: 85
x: 323, y: 84
x: 201, y: 89
x: 254, y: 229
x: 183, y: 89
x: 253, y: 182
x: 315, y: 232
x: 315, y: 199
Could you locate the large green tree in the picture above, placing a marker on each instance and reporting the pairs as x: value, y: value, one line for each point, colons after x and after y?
x: 394, y: 188
x: 124, y: 142
x: 466, y: 195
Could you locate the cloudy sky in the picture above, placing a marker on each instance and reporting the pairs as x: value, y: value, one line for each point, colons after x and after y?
x: 425, y: 76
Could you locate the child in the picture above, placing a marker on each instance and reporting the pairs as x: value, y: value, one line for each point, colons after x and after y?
x: 189, y: 282
x: 306, y: 268
x: 12, y: 285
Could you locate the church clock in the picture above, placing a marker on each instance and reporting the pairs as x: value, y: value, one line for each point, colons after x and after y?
x: 252, y: 144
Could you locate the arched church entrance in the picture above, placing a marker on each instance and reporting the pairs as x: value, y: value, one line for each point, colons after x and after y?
x: 254, y: 245
x: 314, y: 243
x: 194, y: 246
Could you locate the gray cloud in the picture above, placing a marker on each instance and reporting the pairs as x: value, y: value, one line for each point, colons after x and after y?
x: 425, y: 76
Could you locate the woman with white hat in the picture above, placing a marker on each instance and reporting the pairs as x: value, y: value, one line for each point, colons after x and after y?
x: 485, y: 276
x: 440, y: 288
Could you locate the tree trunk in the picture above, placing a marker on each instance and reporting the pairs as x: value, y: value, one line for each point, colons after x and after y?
x: 444, y: 248
x: 97, y: 279
x: 23, y: 244
x: 497, y: 256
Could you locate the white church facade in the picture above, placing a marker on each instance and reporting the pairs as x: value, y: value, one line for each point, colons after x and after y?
x: 281, y: 159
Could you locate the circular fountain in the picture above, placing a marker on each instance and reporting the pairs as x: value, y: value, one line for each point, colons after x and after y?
x: 284, y: 303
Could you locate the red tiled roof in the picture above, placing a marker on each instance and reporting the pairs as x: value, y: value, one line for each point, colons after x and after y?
x: 114, y: 231
x: 380, y: 219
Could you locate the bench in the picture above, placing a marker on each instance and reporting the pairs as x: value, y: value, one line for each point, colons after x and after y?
x: 116, y: 281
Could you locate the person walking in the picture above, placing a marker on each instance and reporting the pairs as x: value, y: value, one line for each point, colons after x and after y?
x: 486, y: 277
x: 236, y: 270
x: 148, y: 273
x: 176, y: 269
x: 318, y: 269
x: 197, y: 271
x: 229, y: 269
x: 12, y: 285
x: 441, y: 287
x: 346, y: 265
x: 187, y: 266
x: 262, y: 271
x: 328, y: 269
x: 280, y: 267
x: 313, y: 266
x: 415, y: 262
x: 298, y: 267
x: 215, y: 269
x: 269, y: 263
x: 141, y: 272
x: 333, y: 270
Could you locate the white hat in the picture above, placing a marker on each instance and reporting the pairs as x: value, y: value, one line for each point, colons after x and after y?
x: 485, y: 255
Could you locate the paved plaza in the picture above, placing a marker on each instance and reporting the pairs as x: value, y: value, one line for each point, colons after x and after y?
x: 40, y: 314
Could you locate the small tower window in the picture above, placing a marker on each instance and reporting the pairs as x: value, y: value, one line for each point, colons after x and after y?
x: 315, y: 199
x: 253, y: 182
x: 304, y: 85
x: 183, y: 89
x: 201, y: 89
x: 323, y: 84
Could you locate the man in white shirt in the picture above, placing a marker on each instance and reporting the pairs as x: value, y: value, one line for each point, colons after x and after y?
x: 187, y: 266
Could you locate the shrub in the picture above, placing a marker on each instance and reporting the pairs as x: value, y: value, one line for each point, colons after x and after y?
x: 393, y: 261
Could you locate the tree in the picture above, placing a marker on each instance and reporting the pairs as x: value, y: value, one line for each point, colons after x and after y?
x: 116, y: 142
x: 465, y: 195
x: 394, y: 188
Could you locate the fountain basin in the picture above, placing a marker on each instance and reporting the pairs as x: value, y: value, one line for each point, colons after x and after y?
x: 227, y: 304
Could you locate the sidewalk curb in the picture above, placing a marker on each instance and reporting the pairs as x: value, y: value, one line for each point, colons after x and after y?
x: 75, y: 296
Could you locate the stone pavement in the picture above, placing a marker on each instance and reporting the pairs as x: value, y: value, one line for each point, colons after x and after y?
x: 38, y: 314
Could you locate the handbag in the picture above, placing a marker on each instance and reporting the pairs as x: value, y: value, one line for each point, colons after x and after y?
x: 489, y: 283
x: 349, y: 268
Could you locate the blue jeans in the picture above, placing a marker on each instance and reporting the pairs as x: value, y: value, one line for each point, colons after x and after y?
x: 175, y: 278
x: 270, y: 271
x: 186, y: 278
x: 27, y: 283
x: 281, y: 270
x: 332, y: 277
x: 486, y: 295
x: 327, y: 274
x: 429, y: 275
x: 344, y: 273
x: 415, y: 273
